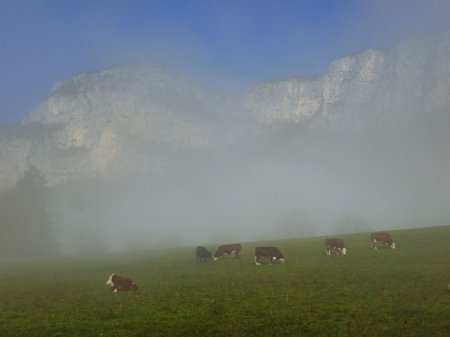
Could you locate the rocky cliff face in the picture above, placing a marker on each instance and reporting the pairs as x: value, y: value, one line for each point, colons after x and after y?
x: 129, y: 119
x: 111, y: 122
x: 372, y: 87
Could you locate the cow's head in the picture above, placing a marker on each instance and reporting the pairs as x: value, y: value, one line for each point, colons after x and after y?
x: 393, y: 246
x: 111, y: 280
x: 279, y: 257
x: 344, y: 251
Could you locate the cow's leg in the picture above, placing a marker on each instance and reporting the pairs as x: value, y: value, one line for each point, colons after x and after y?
x: 257, y: 261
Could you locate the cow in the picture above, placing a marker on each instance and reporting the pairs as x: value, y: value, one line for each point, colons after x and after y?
x: 119, y: 283
x: 229, y: 249
x: 336, y: 245
x: 272, y: 253
x: 384, y: 238
x: 203, y: 254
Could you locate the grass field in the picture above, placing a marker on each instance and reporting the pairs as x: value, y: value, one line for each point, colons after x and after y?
x: 400, y: 292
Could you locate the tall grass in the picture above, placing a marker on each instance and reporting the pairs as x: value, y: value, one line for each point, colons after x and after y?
x: 387, y: 292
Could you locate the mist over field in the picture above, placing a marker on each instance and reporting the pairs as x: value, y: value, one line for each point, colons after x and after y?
x: 285, y: 183
x: 220, y: 122
x: 136, y: 134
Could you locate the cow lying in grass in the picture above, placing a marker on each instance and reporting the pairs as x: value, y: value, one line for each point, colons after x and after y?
x: 119, y: 283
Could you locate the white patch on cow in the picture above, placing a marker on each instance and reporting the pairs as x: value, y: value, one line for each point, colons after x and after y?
x: 393, y: 246
x: 115, y: 290
x: 109, y: 282
x: 215, y: 258
x: 232, y: 252
x: 344, y: 250
x: 282, y: 260
x: 274, y: 258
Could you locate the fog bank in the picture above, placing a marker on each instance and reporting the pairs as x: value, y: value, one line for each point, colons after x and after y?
x: 287, y: 182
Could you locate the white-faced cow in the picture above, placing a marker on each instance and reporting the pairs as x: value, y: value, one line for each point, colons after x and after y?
x: 119, y: 283
x: 229, y: 249
x: 203, y: 254
x: 382, y: 238
x: 335, y: 244
x: 271, y: 253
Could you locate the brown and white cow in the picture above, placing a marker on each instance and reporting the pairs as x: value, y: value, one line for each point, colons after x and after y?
x: 384, y: 238
x: 336, y: 245
x: 119, y: 283
x: 271, y: 253
x: 229, y: 249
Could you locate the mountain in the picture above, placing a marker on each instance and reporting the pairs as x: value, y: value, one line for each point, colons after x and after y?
x: 140, y: 118
x: 116, y: 121
x: 373, y: 87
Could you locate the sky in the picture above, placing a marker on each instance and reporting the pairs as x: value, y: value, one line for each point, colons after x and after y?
x: 227, y: 45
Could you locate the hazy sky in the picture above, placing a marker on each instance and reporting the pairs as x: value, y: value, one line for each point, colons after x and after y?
x: 228, y: 44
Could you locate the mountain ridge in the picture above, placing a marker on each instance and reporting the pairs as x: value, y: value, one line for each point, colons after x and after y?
x: 96, y: 123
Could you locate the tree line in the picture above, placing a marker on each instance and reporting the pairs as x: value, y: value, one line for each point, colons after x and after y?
x: 27, y: 226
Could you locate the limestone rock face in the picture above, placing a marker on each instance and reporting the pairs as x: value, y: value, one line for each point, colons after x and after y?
x: 372, y: 87
x: 112, y: 122
x: 132, y: 118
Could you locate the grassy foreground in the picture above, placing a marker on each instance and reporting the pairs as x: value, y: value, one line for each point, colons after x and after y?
x: 387, y: 292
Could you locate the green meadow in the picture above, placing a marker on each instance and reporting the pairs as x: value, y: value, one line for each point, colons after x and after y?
x: 402, y: 292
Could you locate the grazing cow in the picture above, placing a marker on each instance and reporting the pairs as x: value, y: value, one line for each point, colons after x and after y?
x: 229, y: 249
x: 336, y: 245
x: 203, y: 254
x: 384, y: 238
x: 272, y: 253
x: 119, y: 283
